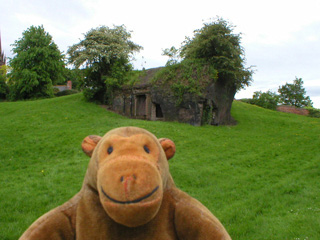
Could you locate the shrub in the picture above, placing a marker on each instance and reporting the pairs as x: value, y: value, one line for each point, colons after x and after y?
x: 66, y: 92
x: 247, y: 100
x: 4, y: 89
x: 267, y: 99
x: 55, y: 90
x: 313, y: 112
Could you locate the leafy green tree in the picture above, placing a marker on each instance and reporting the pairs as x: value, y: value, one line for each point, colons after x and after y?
x: 173, y: 54
x: 267, y: 99
x: 217, y: 45
x: 294, y: 94
x: 106, y: 54
x: 36, y: 66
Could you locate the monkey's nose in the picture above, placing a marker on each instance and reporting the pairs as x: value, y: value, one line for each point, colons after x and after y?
x: 128, y: 181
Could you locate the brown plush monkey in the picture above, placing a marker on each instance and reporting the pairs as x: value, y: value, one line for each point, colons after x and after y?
x: 128, y: 193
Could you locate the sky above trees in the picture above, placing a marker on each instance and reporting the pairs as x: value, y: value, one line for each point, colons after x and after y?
x: 281, y: 38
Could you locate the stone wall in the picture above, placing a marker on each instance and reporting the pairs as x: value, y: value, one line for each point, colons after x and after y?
x: 64, y: 87
x: 189, y: 110
x: 152, y: 103
x: 149, y: 101
x: 292, y: 109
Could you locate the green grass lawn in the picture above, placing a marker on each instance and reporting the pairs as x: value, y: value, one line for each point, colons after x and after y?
x: 261, y: 178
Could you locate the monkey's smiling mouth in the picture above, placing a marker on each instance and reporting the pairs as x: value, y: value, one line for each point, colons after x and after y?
x: 132, y: 201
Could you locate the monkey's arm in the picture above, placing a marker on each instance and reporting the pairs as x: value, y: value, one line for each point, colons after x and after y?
x: 194, y: 221
x: 57, y: 224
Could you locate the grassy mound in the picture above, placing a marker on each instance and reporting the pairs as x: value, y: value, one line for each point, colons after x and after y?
x: 260, y: 178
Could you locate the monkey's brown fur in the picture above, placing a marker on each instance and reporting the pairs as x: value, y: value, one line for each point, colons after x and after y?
x: 128, y: 193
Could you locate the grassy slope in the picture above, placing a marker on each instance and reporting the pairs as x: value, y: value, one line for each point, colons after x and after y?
x: 260, y: 178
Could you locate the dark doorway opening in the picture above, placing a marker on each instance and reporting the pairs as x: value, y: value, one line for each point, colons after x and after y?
x: 159, y: 113
x: 141, y: 105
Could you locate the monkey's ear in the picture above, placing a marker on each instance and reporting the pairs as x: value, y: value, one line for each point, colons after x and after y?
x: 168, y: 146
x: 89, y: 144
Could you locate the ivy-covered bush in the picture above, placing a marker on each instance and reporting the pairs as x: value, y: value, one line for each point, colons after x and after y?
x: 189, y: 76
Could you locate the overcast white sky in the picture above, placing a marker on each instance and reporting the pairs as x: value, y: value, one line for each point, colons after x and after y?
x: 281, y: 38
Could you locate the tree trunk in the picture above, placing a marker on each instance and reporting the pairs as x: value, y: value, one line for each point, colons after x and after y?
x: 223, y: 94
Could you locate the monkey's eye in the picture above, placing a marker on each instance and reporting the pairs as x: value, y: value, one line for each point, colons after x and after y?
x: 146, y: 149
x: 110, y: 150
